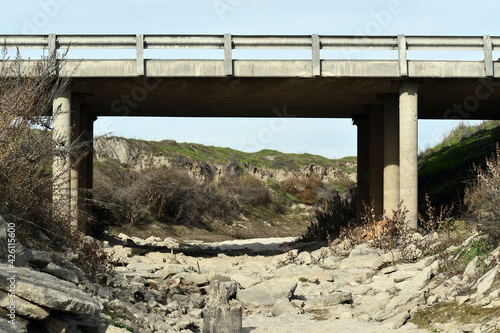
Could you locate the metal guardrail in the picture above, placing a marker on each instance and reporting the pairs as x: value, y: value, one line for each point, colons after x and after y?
x: 228, y: 42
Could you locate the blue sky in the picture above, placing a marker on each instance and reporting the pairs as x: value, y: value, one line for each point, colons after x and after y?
x: 328, y: 137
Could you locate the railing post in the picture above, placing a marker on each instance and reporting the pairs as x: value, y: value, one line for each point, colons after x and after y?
x: 52, y: 41
x: 488, y: 56
x: 228, y: 55
x: 316, y: 60
x: 140, y: 55
x: 403, y: 61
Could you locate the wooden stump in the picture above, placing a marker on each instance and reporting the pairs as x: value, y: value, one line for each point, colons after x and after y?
x: 219, y: 315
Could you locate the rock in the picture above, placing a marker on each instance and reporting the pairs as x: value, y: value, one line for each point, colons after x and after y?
x: 388, y: 270
x: 282, y: 306
x: 23, y: 307
x: 404, y: 277
x: 61, y: 273
x: 462, y: 299
x: 363, y: 257
x: 218, y: 277
x: 170, y: 270
x: 198, y: 279
x: 330, y: 300
x: 306, y: 290
x: 39, y: 259
x: 244, y: 281
x: 124, y: 308
x: 141, y: 267
x: 470, y: 271
x: 412, y: 287
x: 196, y: 313
x: 305, y: 258
x: 119, y: 254
x: 484, y: 283
x: 255, y: 297
x: 48, y: 291
x: 470, y: 328
x: 331, y: 262
x: 268, y: 292
x: 5, y: 326
x: 398, y: 320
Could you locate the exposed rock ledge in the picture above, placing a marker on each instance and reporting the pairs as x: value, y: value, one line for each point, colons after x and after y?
x: 121, y: 150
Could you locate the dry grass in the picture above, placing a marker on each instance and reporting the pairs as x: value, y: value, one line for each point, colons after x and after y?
x: 482, y: 197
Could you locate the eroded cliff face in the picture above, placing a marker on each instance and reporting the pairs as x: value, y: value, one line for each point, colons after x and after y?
x: 142, y: 159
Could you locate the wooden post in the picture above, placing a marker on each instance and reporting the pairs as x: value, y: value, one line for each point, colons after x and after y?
x: 219, y: 316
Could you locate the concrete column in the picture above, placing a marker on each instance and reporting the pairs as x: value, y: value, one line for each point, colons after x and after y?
x: 76, y: 159
x: 86, y: 165
x: 408, y: 142
x: 363, y: 162
x: 391, y: 153
x: 376, y: 159
x: 61, y: 170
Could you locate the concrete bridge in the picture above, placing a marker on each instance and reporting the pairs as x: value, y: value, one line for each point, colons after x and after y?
x: 384, y: 97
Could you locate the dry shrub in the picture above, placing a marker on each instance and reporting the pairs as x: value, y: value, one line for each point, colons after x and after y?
x: 27, y: 149
x: 246, y: 189
x: 482, y: 197
x: 382, y: 232
x: 304, y: 189
x: 157, y: 194
x: 443, y: 221
x: 331, y: 214
x: 26, y: 145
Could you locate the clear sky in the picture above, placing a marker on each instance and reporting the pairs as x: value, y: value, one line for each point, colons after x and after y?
x: 328, y: 137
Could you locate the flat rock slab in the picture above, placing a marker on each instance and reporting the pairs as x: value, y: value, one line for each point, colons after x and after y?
x: 24, y: 308
x: 268, y: 292
x: 48, y: 291
x: 327, y: 301
x: 371, y: 261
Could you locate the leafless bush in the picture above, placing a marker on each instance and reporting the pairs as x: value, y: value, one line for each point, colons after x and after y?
x: 442, y: 221
x: 27, y: 90
x: 158, y: 194
x: 332, y: 213
x: 304, y: 189
x: 27, y: 148
x: 246, y: 189
x: 482, y: 197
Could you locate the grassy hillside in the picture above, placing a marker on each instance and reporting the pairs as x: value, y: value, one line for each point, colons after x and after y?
x: 267, y: 158
x: 445, y: 169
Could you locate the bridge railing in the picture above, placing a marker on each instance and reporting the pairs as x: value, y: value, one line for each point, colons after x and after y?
x: 228, y: 42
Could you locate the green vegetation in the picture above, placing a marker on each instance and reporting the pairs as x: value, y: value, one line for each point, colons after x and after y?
x: 303, y: 279
x: 445, y: 169
x: 267, y: 159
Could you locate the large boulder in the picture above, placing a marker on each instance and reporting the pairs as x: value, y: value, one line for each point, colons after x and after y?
x: 48, y: 291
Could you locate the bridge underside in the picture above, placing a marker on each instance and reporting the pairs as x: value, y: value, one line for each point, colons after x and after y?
x: 385, y: 110
x: 303, y: 97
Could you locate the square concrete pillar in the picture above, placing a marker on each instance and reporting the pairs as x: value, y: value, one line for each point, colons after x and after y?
x: 408, y: 142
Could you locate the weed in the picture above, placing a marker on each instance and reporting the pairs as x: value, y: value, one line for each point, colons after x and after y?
x: 303, y: 279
